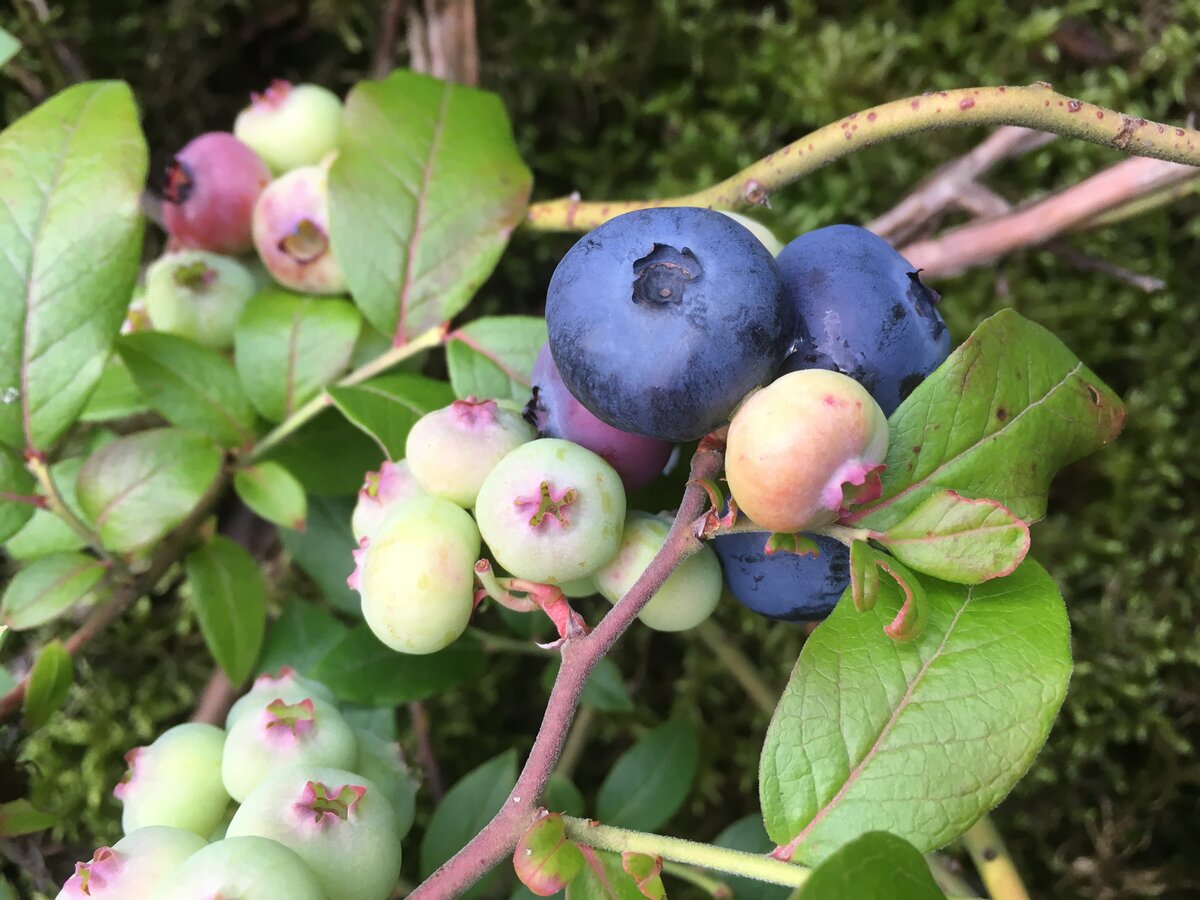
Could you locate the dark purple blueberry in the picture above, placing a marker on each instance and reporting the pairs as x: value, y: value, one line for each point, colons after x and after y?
x: 662, y: 320
x: 868, y: 315
x: 555, y: 413
x: 784, y: 585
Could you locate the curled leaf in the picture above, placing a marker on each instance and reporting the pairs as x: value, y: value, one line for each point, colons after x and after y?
x: 545, y: 860
x: 865, y: 565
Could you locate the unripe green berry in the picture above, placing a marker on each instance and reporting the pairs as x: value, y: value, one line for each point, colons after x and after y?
x: 451, y: 450
x: 242, y: 868
x: 416, y: 576
x: 288, y: 685
x: 686, y: 598
x: 132, y: 867
x: 339, y: 823
x: 291, y: 126
x: 198, y: 295
x: 175, y: 781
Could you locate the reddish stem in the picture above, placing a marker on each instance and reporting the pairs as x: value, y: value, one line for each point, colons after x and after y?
x: 498, y: 838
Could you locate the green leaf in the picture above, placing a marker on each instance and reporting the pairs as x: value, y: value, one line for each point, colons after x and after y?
x: 48, y: 587
x: 544, y: 859
x: 380, y: 761
x: 493, y: 357
x: 229, y: 594
x: 1007, y: 410
x: 49, y: 683
x: 328, y: 456
x: 288, y: 347
x: 562, y: 796
x: 387, y: 407
x: 116, y: 395
x: 427, y: 187
x: 876, y: 866
x: 603, y: 877
x: 866, y: 564
x: 920, y: 738
x: 9, y: 46
x: 301, y: 637
x: 360, y: 669
x: 139, y: 487
x: 957, y: 539
x: 19, y: 817
x: 273, y: 493
x: 71, y: 225
x: 650, y: 780
x: 323, y: 550
x: 193, y: 387
x: 46, y: 532
x: 15, y: 483
x: 749, y: 835
x: 466, y: 808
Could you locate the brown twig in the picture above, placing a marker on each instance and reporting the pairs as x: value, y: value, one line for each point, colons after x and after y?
x: 947, y: 185
x: 1088, y: 263
x: 579, y: 656
x: 981, y: 242
x: 442, y: 40
x: 389, y: 29
x: 215, y: 700
x: 124, y: 594
x: 419, y: 718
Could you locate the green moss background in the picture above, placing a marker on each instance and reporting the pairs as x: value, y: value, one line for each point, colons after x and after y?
x: 625, y: 99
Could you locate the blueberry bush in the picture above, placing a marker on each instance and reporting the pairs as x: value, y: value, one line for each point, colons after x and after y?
x: 832, y: 452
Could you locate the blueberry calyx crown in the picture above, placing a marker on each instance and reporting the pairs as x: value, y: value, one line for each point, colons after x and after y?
x: 549, y: 505
x: 662, y: 276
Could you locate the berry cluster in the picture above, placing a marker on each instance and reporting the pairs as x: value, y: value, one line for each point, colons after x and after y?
x: 259, y: 190
x: 288, y: 800
x: 664, y: 324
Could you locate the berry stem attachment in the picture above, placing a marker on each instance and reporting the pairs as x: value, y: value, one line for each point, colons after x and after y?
x: 735, y: 862
x: 1033, y: 106
x: 393, y: 357
x: 498, y: 838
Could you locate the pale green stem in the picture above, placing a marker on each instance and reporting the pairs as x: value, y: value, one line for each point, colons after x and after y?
x: 718, y: 890
x: 577, y: 741
x: 948, y: 880
x: 996, y: 868
x: 57, y: 505
x: 1034, y: 106
x: 845, y: 535
x: 498, y: 643
x: 744, y: 672
x: 317, y: 404
x: 735, y: 862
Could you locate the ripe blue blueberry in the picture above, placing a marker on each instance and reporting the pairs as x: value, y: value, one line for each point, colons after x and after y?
x: 869, y: 315
x: 784, y: 585
x: 661, y: 320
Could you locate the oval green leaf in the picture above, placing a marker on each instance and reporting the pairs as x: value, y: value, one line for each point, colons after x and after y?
x: 324, y: 550
x: 1009, y: 408
x: 193, y: 387
x: 16, y: 493
x: 603, y: 877
x: 387, y: 407
x: 230, y: 598
x: 48, y: 587
x: 494, y: 356
x: 360, y: 669
x: 116, y: 395
x: 49, y: 683
x: 139, y: 487
x: 466, y: 808
x: 650, y: 780
x: 544, y: 859
x: 918, y: 738
x: 876, y: 866
x: 957, y: 539
x: 71, y: 178
x: 288, y: 347
x: 427, y: 187
x: 301, y: 637
x: 273, y: 492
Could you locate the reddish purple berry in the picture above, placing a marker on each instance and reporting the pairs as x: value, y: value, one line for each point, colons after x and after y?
x: 212, y: 186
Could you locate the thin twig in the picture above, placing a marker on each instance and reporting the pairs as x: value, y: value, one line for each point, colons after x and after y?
x: 1036, y: 106
x: 744, y: 672
x: 1088, y: 263
x: 215, y: 700
x: 577, y: 741
x: 580, y: 656
x: 980, y: 242
x: 946, y: 186
x: 389, y: 29
x: 995, y: 866
x: 426, y: 758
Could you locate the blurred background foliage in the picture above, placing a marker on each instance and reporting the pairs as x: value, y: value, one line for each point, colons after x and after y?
x: 625, y: 98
